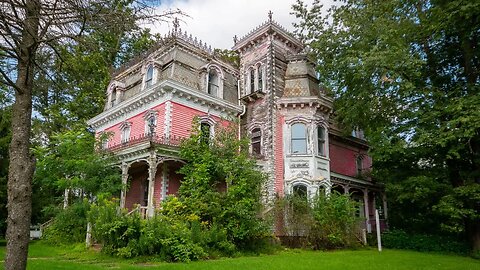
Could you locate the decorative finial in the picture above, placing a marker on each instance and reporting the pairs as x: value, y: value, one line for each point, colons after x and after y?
x: 176, y: 25
x: 270, y: 13
x: 235, y: 39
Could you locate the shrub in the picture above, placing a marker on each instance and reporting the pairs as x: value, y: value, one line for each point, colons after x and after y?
x: 399, y: 239
x: 321, y: 223
x: 69, y: 225
x: 335, y: 224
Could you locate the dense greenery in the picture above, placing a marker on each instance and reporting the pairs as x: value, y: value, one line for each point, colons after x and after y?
x: 43, y: 256
x: 222, y: 184
x: 69, y: 170
x: 325, y: 222
x: 398, y: 239
x: 216, y: 211
x: 408, y: 73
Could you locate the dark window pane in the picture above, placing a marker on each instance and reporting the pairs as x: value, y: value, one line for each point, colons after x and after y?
x: 300, y: 191
x: 321, y: 140
x: 256, y: 141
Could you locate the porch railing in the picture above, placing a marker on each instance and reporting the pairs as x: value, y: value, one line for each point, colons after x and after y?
x: 172, y: 141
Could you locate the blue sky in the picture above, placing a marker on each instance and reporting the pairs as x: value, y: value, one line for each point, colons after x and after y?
x: 217, y: 21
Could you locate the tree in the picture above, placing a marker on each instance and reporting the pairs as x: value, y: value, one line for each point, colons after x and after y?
x: 222, y: 184
x: 28, y: 27
x: 407, y: 72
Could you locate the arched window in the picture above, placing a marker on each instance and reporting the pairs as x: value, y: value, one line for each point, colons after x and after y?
x: 256, y: 141
x: 321, y: 140
x: 125, y: 135
x: 205, y: 132
x: 359, y: 163
x: 113, y: 99
x: 299, y: 139
x: 252, y: 80
x: 300, y: 190
x: 150, y: 124
x: 213, y: 82
x: 260, y: 78
x: 149, y: 77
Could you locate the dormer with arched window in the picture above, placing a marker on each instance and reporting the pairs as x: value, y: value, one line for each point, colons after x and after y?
x: 150, y: 72
x: 214, y: 81
x: 114, y: 93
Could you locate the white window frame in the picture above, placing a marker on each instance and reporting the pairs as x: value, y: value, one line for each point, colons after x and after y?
x: 292, y: 139
x: 322, y: 153
x: 260, y: 140
x: 125, y: 130
x: 220, y: 77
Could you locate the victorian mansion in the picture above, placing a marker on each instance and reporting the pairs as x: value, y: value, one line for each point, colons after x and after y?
x: 275, y: 94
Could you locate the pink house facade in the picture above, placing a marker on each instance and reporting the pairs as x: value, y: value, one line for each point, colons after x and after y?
x: 275, y: 94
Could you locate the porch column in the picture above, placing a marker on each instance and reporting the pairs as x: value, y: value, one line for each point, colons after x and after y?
x: 123, y: 192
x: 152, y: 170
x: 384, y: 199
x: 367, y: 211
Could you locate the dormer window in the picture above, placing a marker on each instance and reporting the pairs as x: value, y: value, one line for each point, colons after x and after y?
x: 149, y: 77
x: 113, y: 99
x: 213, y: 82
x: 114, y: 93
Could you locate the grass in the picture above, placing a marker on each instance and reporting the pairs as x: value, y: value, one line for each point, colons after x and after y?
x: 43, y: 256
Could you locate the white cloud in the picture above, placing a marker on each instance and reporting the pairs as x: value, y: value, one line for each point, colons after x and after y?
x: 217, y: 21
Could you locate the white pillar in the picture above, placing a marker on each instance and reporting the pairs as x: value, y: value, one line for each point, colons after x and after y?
x: 66, y: 194
x: 152, y: 170
x: 123, y: 192
x: 367, y: 211
x: 88, y: 237
x: 379, y: 236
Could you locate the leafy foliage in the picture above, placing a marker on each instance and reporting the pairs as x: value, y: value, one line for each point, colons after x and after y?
x: 71, y: 163
x: 399, y: 239
x: 325, y: 222
x: 407, y: 72
x: 222, y: 185
x: 69, y: 225
x: 216, y: 212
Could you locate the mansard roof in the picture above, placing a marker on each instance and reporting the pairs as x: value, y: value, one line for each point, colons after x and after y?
x: 177, y: 36
x: 268, y: 27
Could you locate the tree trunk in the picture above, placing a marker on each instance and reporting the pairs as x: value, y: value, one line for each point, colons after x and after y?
x: 21, y: 160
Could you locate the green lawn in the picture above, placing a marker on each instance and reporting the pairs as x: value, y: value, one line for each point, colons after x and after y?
x: 42, y: 256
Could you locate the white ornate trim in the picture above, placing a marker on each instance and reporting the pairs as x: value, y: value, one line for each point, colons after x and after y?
x: 158, y: 94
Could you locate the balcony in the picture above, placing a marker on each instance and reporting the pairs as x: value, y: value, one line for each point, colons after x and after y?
x: 160, y: 140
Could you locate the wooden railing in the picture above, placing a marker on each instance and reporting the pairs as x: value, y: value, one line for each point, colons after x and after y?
x: 173, y: 141
x: 142, y: 210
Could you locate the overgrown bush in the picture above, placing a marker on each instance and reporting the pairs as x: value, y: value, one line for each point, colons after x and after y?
x: 69, y: 225
x: 399, y: 239
x: 170, y: 237
x: 324, y: 222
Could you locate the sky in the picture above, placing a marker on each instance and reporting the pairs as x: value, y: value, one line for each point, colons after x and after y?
x: 217, y: 21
